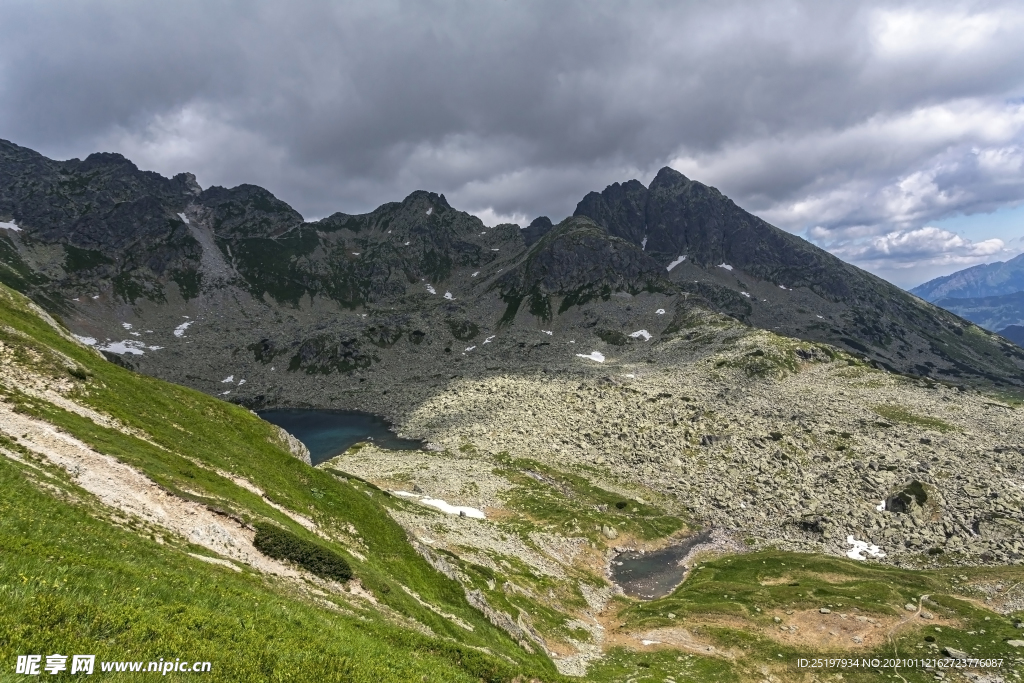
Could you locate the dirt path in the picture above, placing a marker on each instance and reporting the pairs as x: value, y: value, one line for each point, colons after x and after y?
x: 126, y: 489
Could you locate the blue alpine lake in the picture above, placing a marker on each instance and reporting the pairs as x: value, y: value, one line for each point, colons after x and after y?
x: 327, y: 433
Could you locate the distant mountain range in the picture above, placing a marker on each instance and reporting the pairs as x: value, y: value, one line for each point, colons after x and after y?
x: 124, y: 256
x: 990, y: 295
x: 988, y: 279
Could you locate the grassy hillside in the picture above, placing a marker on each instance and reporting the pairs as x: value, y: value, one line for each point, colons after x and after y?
x: 79, y: 576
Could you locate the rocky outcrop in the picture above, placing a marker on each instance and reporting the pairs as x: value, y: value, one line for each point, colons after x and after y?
x: 576, y: 262
x: 294, y: 446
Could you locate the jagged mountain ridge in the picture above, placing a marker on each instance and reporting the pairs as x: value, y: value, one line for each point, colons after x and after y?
x: 677, y: 218
x: 101, y: 242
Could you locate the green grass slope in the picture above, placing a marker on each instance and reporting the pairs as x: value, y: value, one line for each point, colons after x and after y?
x: 80, y: 578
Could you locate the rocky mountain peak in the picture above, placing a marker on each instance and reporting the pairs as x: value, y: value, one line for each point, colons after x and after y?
x: 248, y: 211
x: 188, y: 180
x: 539, y: 227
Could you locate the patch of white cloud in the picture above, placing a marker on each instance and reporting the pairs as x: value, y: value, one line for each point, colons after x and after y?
x: 491, y: 218
x: 887, y: 170
x: 911, y: 32
x: 921, y: 246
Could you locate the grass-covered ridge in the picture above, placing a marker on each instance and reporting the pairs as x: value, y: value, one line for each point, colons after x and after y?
x: 72, y: 581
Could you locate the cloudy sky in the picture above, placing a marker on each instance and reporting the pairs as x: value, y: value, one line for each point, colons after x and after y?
x: 891, y: 134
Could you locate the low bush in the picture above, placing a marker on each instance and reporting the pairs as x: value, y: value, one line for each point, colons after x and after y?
x: 273, y: 541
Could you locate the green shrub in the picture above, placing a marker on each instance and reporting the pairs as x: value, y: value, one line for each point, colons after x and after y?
x: 273, y: 541
x: 612, y: 337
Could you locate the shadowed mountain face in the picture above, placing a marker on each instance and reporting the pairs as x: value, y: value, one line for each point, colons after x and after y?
x: 1014, y: 333
x: 991, y: 312
x: 403, y: 288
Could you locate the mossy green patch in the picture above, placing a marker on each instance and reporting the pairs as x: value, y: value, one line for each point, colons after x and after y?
x: 576, y: 507
x: 895, y: 413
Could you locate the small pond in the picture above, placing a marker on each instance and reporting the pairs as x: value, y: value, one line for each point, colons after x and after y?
x: 654, y: 574
x: 327, y: 433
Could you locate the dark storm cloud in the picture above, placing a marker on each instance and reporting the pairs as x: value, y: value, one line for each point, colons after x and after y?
x: 853, y: 122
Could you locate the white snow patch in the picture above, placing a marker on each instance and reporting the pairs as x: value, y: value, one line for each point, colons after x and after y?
x: 184, y: 218
x: 135, y: 334
x: 494, y: 250
x: 746, y: 294
x: 572, y: 341
x: 225, y: 393
x: 355, y: 253
x: 9, y: 226
x: 430, y: 288
x: 641, y: 334
x: 593, y: 355
x: 96, y: 297
x: 488, y: 340
x: 88, y: 341
x: 430, y: 211
x: 443, y: 506
x: 229, y: 378
x: 241, y: 382
x: 126, y: 326
x: 643, y: 244
x: 820, y: 317
x: 453, y: 509
x: 179, y: 331
x: 676, y: 262
x: 881, y: 506
x: 782, y: 286
x: 650, y: 642
x: 470, y: 348
x: 725, y: 265
x: 475, y: 274
x: 660, y: 311
x: 131, y: 346
x: 448, y: 295
x: 547, y: 332
x: 407, y: 243
x: 861, y: 547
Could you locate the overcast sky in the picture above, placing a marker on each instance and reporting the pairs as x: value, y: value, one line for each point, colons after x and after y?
x: 890, y: 133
